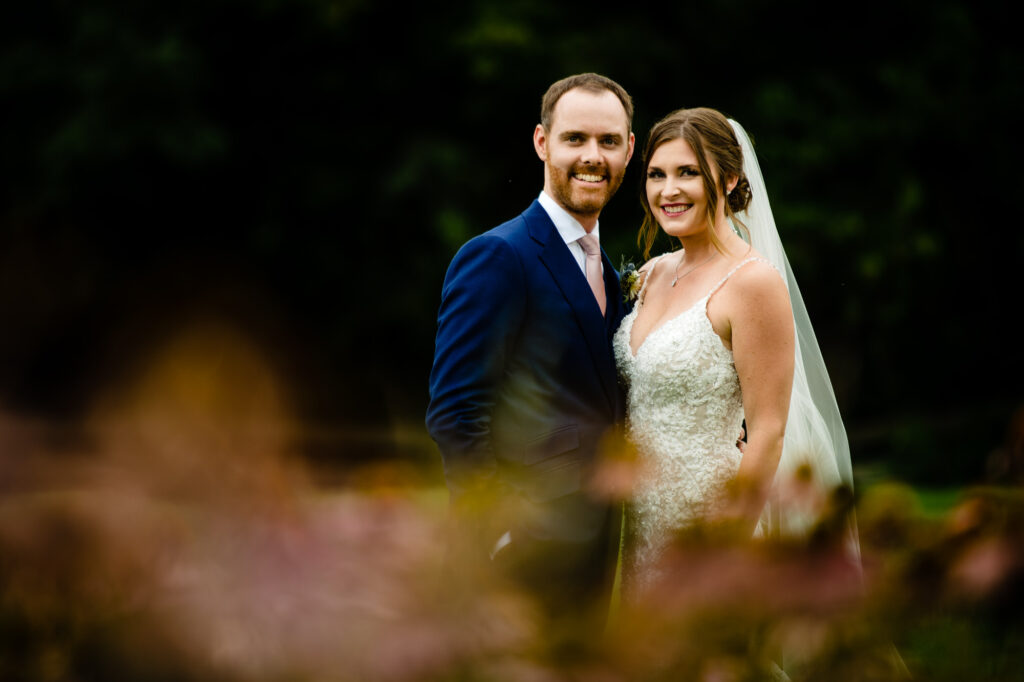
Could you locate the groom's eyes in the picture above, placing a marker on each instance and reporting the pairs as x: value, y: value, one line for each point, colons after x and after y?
x: 607, y: 140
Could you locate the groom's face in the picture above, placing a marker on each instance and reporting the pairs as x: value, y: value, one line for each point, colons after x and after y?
x: 585, y: 152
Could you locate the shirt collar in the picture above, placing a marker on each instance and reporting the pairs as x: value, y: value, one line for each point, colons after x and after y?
x: 568, y: 227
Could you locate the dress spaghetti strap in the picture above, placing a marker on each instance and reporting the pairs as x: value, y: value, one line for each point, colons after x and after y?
x: 647, y: 278
x: 737, y: 267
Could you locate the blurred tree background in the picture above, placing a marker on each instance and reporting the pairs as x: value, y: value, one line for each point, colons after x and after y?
x: 304, y: 170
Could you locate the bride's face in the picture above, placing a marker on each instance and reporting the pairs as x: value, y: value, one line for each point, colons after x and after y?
x: 675, y: 189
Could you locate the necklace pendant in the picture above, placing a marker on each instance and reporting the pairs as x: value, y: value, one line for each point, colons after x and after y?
x: 675, y: 279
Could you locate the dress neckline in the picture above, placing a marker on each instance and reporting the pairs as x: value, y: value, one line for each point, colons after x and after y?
x: 703, y: 300
x: 661, y: 326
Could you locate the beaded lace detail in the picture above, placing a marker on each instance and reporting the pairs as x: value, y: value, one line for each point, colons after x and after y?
x: 685, y: 411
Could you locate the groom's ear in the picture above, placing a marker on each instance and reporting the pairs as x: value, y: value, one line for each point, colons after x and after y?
x: 632, y: 143
x: 540, y: 142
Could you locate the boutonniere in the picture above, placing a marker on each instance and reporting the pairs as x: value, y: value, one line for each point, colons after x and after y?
x: 629, y: 281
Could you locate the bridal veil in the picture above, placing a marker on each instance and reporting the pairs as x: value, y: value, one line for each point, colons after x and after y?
x: 816, y: 449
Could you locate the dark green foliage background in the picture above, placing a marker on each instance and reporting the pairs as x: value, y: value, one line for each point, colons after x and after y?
x: 306, y: 170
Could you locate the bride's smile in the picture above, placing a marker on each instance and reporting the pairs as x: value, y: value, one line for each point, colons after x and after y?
x: 674, y: 210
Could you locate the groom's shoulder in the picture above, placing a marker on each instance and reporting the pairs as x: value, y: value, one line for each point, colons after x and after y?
x: 503, y: 236
x: 515, y: 230
x: 519, y: 226
x: 501, y: 242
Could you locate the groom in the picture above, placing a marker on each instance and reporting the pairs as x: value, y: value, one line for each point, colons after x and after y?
x: 523, y: 387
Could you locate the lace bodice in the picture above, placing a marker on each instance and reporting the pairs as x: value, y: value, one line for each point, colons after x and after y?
x: 685, y: 412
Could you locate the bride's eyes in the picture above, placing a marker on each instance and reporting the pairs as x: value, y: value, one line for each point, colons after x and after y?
x: 687, y: 172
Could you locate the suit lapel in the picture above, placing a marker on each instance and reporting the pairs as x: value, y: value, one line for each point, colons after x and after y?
x: 614, y: 312
x: 566, y: 273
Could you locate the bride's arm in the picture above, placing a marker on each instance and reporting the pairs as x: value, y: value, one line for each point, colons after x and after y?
x: 762, y: 336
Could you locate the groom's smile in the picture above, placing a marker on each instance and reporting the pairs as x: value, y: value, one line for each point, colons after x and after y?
x: 589, y: 178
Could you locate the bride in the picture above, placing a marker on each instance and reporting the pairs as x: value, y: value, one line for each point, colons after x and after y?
x: 718, y: 341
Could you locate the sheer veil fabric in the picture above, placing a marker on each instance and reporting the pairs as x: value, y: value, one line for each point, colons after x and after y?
x: 816, y: 441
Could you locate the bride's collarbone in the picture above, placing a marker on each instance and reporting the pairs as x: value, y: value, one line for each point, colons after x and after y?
x: 664, y: 302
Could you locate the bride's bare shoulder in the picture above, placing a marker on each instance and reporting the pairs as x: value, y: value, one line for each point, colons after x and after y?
x: 756, y: 282
x: 648, y: 269
x: 759, y: 270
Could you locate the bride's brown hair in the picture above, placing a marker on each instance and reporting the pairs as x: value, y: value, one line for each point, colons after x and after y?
x: 713, y: 140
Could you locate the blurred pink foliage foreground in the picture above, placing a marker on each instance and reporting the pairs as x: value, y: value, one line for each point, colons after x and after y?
x: 178, y: 534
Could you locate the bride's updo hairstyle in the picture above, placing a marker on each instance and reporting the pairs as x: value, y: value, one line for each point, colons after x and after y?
x: 718, y: 152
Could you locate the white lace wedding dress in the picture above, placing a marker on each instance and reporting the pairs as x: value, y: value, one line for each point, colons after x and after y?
x: 685, y: 412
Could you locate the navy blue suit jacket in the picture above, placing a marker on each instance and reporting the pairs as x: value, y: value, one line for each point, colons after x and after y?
x: 524, y: 387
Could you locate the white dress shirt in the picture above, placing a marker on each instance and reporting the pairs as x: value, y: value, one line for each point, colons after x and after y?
x: 569, y: 228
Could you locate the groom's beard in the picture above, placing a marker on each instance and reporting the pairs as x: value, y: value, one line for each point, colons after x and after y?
x: 584, y: 201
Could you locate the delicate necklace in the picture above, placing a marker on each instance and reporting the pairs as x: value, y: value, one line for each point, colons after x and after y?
x: 679, y: 277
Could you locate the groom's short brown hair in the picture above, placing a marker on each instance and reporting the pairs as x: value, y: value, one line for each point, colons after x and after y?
x: 590, y: 82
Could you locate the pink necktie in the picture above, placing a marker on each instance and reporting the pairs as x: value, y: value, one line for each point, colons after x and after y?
x: 593, y: 268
